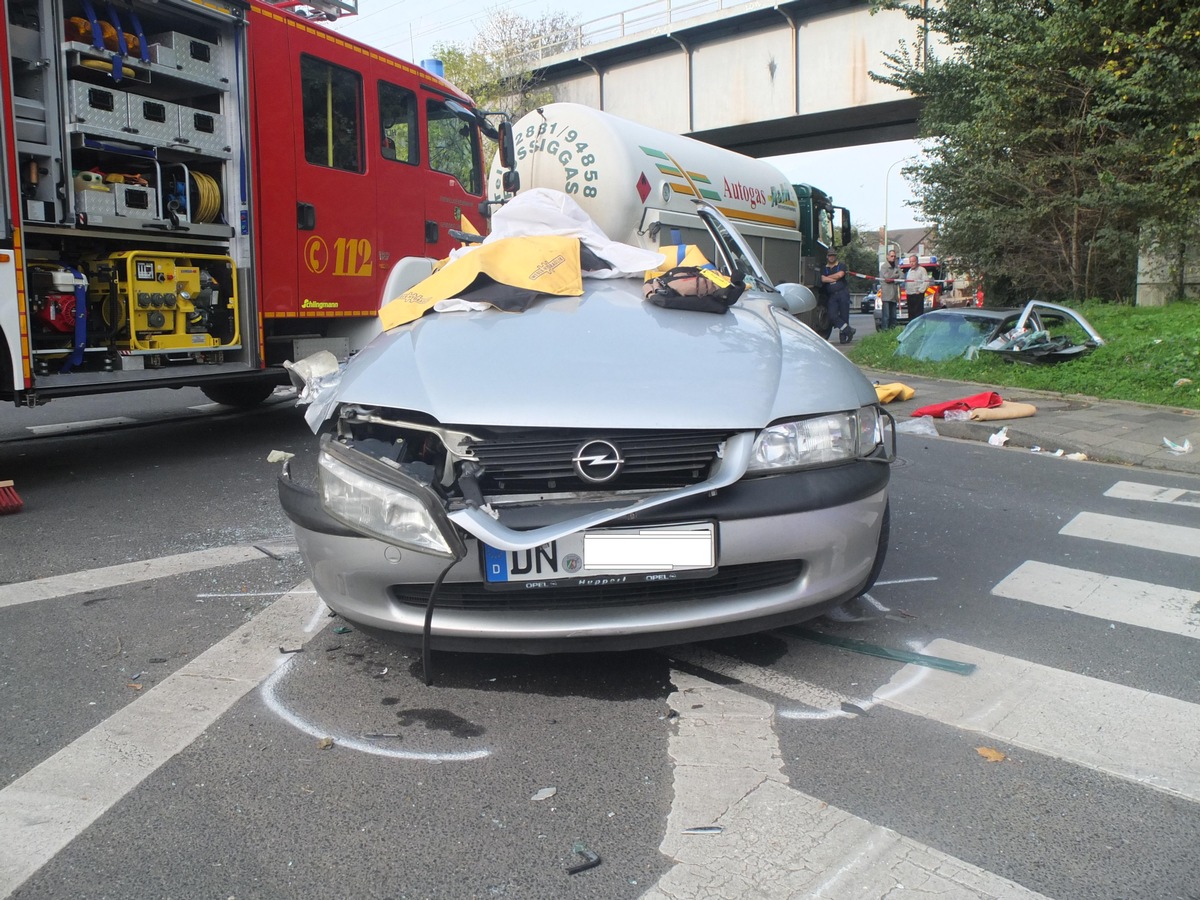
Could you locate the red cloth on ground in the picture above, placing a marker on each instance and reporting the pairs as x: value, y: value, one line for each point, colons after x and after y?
x: 986, y: 400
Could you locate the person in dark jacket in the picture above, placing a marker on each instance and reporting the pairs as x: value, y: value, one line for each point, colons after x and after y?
x: 837, y: 292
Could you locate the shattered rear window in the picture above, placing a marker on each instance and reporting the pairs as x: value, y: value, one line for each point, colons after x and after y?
x: 932, y: 337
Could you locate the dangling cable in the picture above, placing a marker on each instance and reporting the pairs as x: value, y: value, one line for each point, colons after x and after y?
x: 426, y: 662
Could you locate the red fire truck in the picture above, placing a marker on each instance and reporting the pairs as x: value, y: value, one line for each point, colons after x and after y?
x: 197, y: 190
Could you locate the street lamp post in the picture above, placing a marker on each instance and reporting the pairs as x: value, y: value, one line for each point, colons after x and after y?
x: 886, y: 179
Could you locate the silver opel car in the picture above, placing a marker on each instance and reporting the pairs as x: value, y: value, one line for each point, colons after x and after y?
x: 597, y: 471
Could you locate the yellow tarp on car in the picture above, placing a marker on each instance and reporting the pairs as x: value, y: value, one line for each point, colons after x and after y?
x: 547, y: 264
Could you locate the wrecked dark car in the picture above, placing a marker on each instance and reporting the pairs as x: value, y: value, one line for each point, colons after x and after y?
x: 596, y: 471
x: 1018, y: 334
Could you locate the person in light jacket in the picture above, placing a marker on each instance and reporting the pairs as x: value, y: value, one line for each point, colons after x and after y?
x: 915, y: 283
x: 890, y: 276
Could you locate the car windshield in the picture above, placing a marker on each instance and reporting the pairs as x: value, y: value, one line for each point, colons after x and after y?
x: 936, y: 336
x: 735, y: 253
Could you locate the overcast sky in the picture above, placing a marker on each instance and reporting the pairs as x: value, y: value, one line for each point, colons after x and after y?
x: 853, y: 176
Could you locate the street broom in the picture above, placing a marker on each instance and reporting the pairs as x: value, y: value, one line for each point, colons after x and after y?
x: 10, y: 501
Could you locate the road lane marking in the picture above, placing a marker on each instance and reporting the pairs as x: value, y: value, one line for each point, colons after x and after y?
x: 49, y: 806
x: 1135, y: 533
x: 68, y: 427
x: 823, y: 699
x: 1162, y: 608
x: 129, y: 573
x: 1122, y: 731
x: 1151, y: 493
x: 776, y: 841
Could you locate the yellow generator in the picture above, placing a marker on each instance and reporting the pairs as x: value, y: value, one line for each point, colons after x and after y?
x: 166, y: 303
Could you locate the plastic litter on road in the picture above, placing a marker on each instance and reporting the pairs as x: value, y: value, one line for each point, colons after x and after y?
x: 591, y: 859
x: 905, y: 656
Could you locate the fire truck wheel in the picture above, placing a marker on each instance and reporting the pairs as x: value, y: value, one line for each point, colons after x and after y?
x: 242, y: 394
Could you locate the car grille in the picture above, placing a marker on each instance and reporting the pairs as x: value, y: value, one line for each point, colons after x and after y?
x: 537, y: 461
x: 729, y: 581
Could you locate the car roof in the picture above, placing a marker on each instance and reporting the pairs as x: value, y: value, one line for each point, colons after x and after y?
x: 975, y: 312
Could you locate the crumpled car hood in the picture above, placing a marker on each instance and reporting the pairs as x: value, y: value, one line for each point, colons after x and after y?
x: 607, y: 359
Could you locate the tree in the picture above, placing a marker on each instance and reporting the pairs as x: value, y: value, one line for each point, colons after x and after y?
x: 1059, y: 132
x: 496, y: 68
x: 861, y: 255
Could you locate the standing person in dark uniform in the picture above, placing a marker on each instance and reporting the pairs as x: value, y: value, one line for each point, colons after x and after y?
x: 915, y: 283
x: 833, y: 276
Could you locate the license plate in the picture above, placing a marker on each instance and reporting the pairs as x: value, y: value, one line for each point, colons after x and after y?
x: 607, y: 556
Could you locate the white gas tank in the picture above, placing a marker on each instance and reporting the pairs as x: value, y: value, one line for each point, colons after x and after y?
x: 623, y: 173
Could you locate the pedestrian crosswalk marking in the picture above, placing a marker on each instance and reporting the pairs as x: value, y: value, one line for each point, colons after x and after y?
x: 1135, y: 533
x: 1133, y: 490
x: 776, y: 841
x: 1122, y: 731
x: 765, y: 679
x: 50, y: 805
x: 130, y: 573
x: 1139, y: 603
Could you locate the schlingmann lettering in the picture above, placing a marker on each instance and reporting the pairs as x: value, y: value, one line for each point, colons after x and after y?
x: 319, y: 304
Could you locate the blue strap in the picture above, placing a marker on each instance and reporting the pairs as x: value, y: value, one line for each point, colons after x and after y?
x: 136, y: 24
x: 97, y: 36
x: 115, y: 18
x: 76, y: 356
x: 118, y: 60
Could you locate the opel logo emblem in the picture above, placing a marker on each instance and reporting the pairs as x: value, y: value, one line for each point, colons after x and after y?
x: 597, y: 461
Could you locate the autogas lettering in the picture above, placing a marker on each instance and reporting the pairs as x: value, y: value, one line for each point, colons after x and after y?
x: 579, y: 172
x: 748, y: 194
x: 753, y: 196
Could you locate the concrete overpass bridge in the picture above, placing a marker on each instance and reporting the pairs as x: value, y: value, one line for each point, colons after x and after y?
x: 763, y: 78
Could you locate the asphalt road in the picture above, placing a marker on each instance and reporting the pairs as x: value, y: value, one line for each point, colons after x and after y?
x: 191, y: 763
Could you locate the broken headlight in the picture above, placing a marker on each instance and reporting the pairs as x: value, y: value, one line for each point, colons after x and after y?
x: 813, y: 442
x: 384, y: 501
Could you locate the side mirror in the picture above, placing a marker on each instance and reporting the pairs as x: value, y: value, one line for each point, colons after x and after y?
x: 797, y: 298
x: 508, y: 152
x: 846, y: 235
x: 510, y: 181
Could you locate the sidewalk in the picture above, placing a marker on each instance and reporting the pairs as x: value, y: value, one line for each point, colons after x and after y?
x: 1106, y: 430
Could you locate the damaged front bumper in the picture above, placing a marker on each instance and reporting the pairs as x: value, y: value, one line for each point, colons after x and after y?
x: 788, y: 547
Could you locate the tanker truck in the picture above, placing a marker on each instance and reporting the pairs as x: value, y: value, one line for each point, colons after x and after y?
x: 640, y: 185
